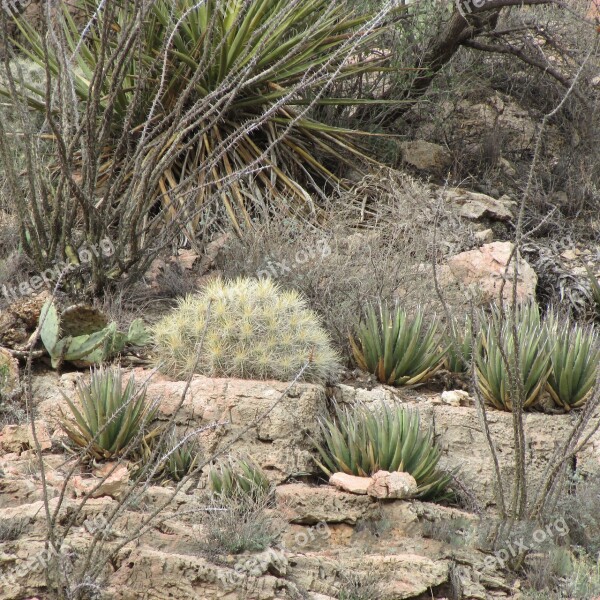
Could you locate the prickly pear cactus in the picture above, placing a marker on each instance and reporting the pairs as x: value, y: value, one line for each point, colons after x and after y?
x: 69, y: 337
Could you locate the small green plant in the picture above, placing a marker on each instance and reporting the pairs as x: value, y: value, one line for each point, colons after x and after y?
x: 245, y: 328
x: 93, y: 347
x: 459, y: 341
x: 182, y: 459
x: 575, y: 359
x: 595, y: 287
x: 237, y: 478
x: 112, y: 419
x: 396, y: 348
x: 499, y: 357
x: 361, y: 441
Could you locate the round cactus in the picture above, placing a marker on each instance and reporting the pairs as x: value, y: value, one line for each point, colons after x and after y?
x: 245, y: 328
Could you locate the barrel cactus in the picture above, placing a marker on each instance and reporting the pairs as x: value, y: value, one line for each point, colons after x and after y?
x: 245, y: 328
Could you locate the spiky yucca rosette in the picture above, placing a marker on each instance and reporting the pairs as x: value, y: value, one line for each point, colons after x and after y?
x: 245, y: 328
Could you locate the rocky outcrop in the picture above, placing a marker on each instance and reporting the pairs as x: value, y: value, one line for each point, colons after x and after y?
x: 245, y: 417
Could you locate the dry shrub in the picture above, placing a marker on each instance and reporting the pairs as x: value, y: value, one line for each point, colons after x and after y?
x: 372, y: 243
x: 239, y: 523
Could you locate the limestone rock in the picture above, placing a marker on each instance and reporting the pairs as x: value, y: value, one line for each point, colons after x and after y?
x: 281, y: 443
x: 115, y: 484
x: 308, y: 505
x: 475, y: 206
x: 351, y: 483
x: 456, y: 397
x: 392, y: 485
x: 18, y: 438
x: 426, y: 156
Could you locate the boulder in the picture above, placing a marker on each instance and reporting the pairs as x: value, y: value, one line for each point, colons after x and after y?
x: 115, y: 484
x: 395, y: 485
x: 351, y: 483
x: 475, y: 206
x: 480, y: 272
x: 425, y: 156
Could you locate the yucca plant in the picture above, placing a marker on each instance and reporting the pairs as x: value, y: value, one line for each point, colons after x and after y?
x: 575, y: 360
x: 497, y: 380
x: 111, y: 418
x: 459, y: 341
x: 360, y: 441
x: 241, y: 72
x: 239, y: 478
x: 398, y: 348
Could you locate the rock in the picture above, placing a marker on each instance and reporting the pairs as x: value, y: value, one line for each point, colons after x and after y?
x: 392, y: 485
x: 475, y: 206
x: 114, y: 485
x: 456, y: 397
x: 482, y: 271
x: 300, y: 503
x: 19, y: 438
x: 281, y: 443
x: 350, y: 483
x: 459, y: 435
x: 426, y: 156
x: 485, y: 237
x: 19, y: 320
x: 399, y: 575
x: 9, y: 374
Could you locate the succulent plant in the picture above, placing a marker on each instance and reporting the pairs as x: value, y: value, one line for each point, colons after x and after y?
x: 531, y: 346
x: 80, y: 335
x: 181, y: 460
x: 110, y: 417
x: 595, y: 287
x: 360, y: 441
x: 395, y: 347
x: 459, y: 341
x: 239, y: 478
x: 575, y: 360
x: 244, y: 328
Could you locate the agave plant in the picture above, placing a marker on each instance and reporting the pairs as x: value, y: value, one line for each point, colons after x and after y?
x: 397, y: 348
x: 459, y: 341
x: 243, y: 69
x: 595, y: 287
x: 500, y: 358
x: 111, y: 418
x: 239, y: 478
x: 360, y: 441
x: 575, y: 359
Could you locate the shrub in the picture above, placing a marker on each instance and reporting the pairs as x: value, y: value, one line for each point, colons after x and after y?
x: 360, y: 441
x: 396, y: 348
x: 245, y: 328
x: 239, y: 478
x: 500, y: 377
x: 237, y: 524
x: 220, y: 87
x: 575, y: 358
x: 112, y: 419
